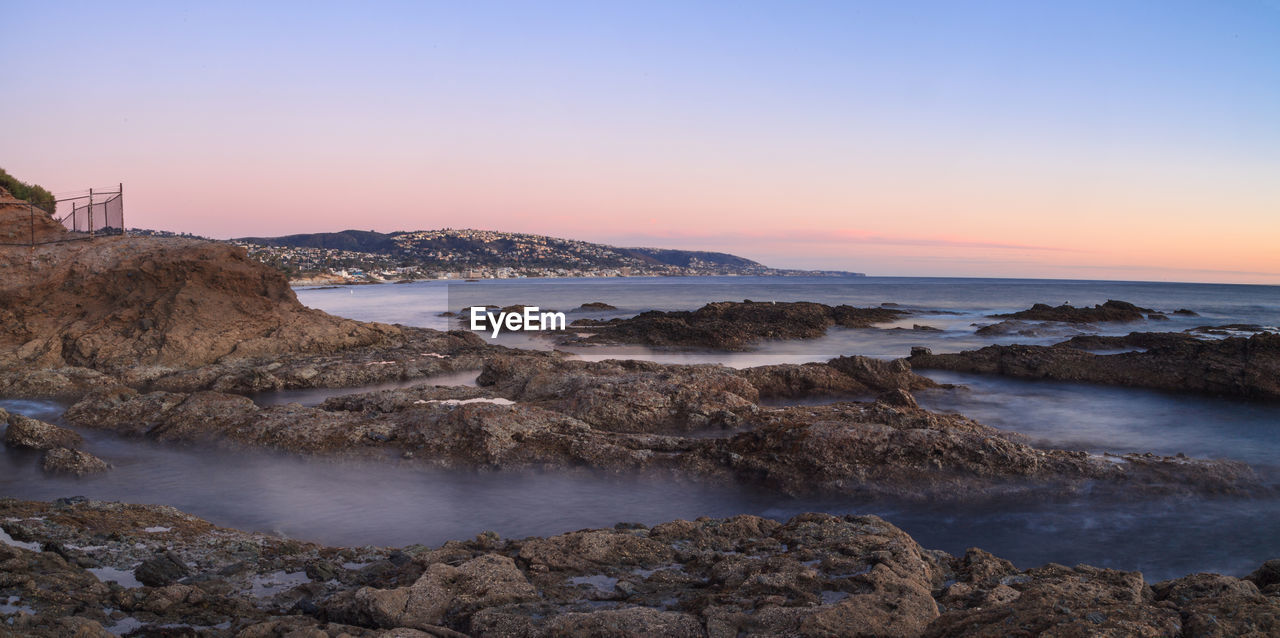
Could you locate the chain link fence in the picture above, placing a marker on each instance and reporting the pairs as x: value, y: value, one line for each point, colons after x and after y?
x: 76, y: 216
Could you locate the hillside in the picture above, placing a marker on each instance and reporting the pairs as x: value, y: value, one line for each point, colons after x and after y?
x: 483, y: 248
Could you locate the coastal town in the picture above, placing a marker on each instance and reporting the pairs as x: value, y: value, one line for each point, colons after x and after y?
x: 352, y: 257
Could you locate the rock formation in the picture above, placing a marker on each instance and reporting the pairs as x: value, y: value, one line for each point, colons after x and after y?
x: 729, y: 325
x: 1237, y: 366
x: 1112, y: 310
x: 815, y: 574
x: 117, y: 302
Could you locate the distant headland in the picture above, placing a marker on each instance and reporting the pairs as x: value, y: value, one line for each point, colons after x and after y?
x: 358, y: 256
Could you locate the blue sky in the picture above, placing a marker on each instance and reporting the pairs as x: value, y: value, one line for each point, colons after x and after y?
x: 1132, y: 139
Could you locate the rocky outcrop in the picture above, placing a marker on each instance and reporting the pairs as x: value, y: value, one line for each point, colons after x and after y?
x: 815, y: 574
x: 626, y: 396
x: 728, y: 325
x: 884, y: 448
x: 116, y: 302
x: 30, y: 434
x: 1240, y: 367
x: 1112, y: 310
x: 61, y: 460
x: 21, y: 224
x: 1015, y: 327
x: 594, y: 306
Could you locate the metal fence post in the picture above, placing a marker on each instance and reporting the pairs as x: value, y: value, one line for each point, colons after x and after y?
x: 90, y: 213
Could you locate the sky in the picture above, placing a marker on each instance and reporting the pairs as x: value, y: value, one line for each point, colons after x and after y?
x: 1098, y: 140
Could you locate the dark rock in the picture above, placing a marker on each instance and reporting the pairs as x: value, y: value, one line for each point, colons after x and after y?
x: 591, y: 306
x: 1112, y: 310
x: 898, y: 397
x: 321, y: 570
x: 162, y: 569
x: 30, y: 434
x: 60, y: 460
x: 730, y: 325
x: 1014, y: 327
x: 1243, y: 367
x: 1266, y: 575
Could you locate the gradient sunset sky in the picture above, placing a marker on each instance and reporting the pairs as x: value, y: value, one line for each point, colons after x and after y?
x: 1098, y: 140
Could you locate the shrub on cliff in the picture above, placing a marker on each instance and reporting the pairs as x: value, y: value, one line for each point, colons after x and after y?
x: 31, y: 192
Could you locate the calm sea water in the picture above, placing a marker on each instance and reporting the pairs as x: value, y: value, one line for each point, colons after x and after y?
x: 367, y: 503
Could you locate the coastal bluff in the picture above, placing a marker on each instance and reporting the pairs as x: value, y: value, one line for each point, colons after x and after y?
x: 115, y: 302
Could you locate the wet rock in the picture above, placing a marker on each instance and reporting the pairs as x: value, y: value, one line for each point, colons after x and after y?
x: 51, y: 383
x: 1216, y: 605
x: 1267, y: 576
x: 30, y: 434
x: 613, y: 416
x: 898, y: 397
x: 486, y: 581
x: 1243, y: 367
x: 623, y: 623
x: 626, y: 396
x: 912, y: 453
x: 1062, y: 601
x: 594, y: 306
x: 880, y: 375
x: 1014, y: 327
x: 1112, y: 310
x: 61, y: 460
x: 730, y: 325
x: 162, y: 569
x: 815, y: 574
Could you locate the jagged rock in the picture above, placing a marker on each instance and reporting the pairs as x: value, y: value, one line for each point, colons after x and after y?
x: 624, y: 623
x: 884, y: 448
x: 729, y: 325
x: 486, y: 581
x: 1216, y: 605
x: 898, y: 397
x: 1112, y: 310
x: 815, y: 574
x: 61, y: 460
x: 593, y: 306
x: 626, y: 396
x: 31, y: 434
x: 1243, y: 367
x: 117, y: 302
x: 1061, y: 601
x: 162, y: 569
x: 1266, y: 577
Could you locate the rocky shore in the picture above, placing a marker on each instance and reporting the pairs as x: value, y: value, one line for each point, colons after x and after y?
x: 699, y: 422
x: 164, y: 339
x: 94, y: 569
x: 1236, y: 366
x: 727, y: 325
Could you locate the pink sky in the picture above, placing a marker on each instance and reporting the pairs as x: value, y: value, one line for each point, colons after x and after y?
x: 945, y: 140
